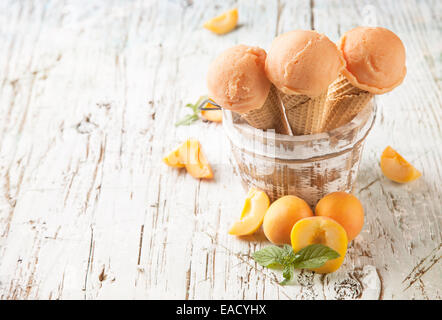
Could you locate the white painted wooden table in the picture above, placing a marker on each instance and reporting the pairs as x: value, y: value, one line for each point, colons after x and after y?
x: 89, y: 94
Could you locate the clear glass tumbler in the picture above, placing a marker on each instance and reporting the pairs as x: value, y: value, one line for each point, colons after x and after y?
x: 308, y: 166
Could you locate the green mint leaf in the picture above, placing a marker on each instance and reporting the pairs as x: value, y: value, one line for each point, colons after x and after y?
x: 287, y: 257
x: 198, y: 102
x: 287, y: 274
x: 192, y: 106
x: 287, y: 248
x: 191, y: 118
x: 187, y: 120
x: 314, y: 256
x: 310, y: 257
x: 269, y: 256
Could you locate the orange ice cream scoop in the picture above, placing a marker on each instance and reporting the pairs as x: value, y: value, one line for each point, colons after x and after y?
x: 236, y: 79
x: 375, y: 59
x: 303, y: 62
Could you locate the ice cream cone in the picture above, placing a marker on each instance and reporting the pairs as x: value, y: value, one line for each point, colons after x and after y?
x: 305, y: 115
x: 302, y: 64
x: 237, y: 81
x: 344, y: 102
x: 270, y: 115
x: 375, y: 64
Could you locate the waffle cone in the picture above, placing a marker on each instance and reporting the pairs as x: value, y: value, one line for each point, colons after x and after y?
x: 270, y: 115
x: 305, y: 115
x: 344, y: 102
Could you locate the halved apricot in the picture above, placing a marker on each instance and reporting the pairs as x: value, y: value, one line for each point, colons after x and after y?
x: 173, y: 159
x: 194, y: 160
x: 223, y: 23
x: 255, y: 206
x: 346, y: 209
x: 212, y: 115
x: 396, y: 168
x: 190, y: 156
x: 282, y: 215
x: 321, y: 230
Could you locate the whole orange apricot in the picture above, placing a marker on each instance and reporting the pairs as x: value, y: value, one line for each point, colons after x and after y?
x: 281, y: 217
x: 346, y: 209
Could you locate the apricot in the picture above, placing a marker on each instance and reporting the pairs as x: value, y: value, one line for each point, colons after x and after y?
x: 212, y: 115
x: 255, y: 206
x: 223, y: 23
x: 173, y: 159
x: 344, y: 208
x: 190, y: 156
x: 321, y: 230
x: 195, y: 161
x: 396, y: 168
x: 282, y: 215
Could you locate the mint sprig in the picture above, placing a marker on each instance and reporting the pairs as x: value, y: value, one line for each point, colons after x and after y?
x: 310, y: 257
x: 192, y: 117
x: 269, y: 256
x: 314, y: 256
x: 187, y: 120
x: 287, y: 273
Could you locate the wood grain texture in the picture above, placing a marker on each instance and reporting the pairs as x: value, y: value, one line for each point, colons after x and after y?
x: 89, y: 93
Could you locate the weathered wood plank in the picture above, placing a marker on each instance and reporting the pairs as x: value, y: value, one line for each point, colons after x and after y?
x: 88, y: 96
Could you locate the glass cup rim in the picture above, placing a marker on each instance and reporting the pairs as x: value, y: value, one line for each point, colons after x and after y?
x: 359, y: 125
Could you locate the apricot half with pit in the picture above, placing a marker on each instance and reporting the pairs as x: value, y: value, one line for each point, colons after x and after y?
x: 396, y: 168
x: 321, y: 230
x: 344, y: 208
x: 282, y: 215
x: 255, y: 207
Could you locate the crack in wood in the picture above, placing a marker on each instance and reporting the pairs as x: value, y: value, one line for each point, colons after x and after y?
x: 141, y: 244
x: 62, y: 62
x: 368, y: 185
x: 89, y: 261
x: 423, y: 267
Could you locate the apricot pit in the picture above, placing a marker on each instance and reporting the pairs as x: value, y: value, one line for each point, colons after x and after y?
x: 321, y: 230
